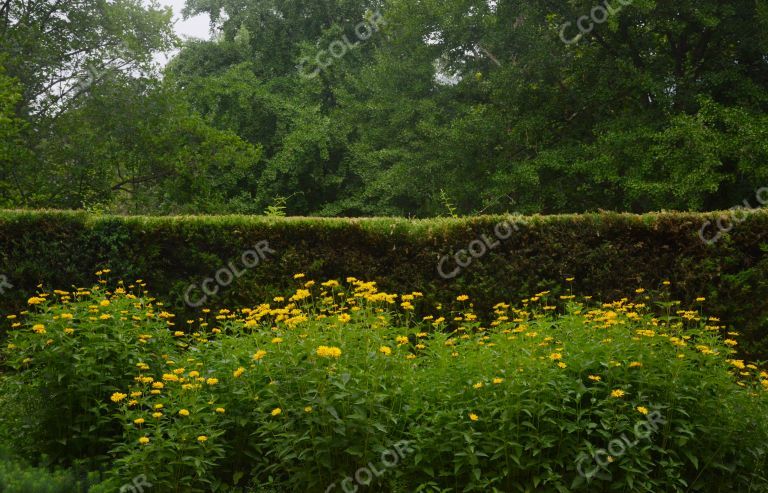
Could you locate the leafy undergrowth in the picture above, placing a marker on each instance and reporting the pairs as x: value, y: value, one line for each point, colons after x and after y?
x: 17, y: 477
x: 340, y: 387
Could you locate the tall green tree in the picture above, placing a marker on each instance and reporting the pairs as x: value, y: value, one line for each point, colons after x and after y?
x: 12, y: 149
x: 136, y: 147
x: 57, y: 49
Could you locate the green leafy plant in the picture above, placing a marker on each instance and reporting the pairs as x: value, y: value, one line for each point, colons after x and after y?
x: 301, y: 393
x: 277, y: 208
x: 446, y: 201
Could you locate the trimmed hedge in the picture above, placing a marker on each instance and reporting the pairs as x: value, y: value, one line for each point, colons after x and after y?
x: 610, y: 255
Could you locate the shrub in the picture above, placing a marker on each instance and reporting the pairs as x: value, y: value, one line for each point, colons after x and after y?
x: 605, y: 252
x: 20, y: 478
x: 560, y: 394
x: 77, y: 350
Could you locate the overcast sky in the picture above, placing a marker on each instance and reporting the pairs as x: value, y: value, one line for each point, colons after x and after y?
x: 196, y: 27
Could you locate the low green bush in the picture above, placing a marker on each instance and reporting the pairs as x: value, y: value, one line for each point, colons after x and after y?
x: 334, y: 386
x: 16, y: 477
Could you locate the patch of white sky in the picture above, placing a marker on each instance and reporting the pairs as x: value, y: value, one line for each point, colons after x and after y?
x: 197, y: 27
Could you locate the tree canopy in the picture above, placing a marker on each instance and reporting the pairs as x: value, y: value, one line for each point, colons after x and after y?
x: 386, y: 107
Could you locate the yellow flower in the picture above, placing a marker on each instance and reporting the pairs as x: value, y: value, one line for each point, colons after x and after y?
x: 184, y: 412
x: 635, y: 364
x: 157, y: 415
x: 300, y: 295
x: 618, y: 393
x: 194, y: 374
x: 344, y: 318
x: 104, y: 303
x: 562, y: 365
x: 700, y: 299
x: 178, y: 333
x: 462, y: 297
x: 298, y: 276
x: 117, y: 397
x: 138, y: 421
x: 478, y: 385
x: 473, y: 417
x: 401, y: 339
x: 595, y: 378
x: 144, y: 440
x: 730, y: 342
x: 220, y: 410
x: 212, y: 381
x: 642, y: 410
x: 308, y: 409
x: 237, y: 373
x: 498, y: 380
x: 202, y: 438
x: 328, y: 352
x: 35, y: 300
x: 555, y: 356
x: 385, y: 350
x: 38, y: 329
x: 640, y: 290
x: 276, y: 411
x: 259, y: 355
x: 277, y: 340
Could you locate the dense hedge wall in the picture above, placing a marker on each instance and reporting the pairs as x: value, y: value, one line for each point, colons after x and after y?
x: 610, y: 255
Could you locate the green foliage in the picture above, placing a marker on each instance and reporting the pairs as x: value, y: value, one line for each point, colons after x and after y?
x: 299, y: 393
x: 19, y: 478
x: 63, y: 378
x: 134, y: 147
x: 659, y: 107
x: 12, y: 150
x: 607, y: 253
x: 57, y: 50
x: 277, y: 208
x: 447, y: 204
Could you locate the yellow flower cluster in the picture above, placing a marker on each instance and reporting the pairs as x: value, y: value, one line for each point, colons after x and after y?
x: 328, y: 352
